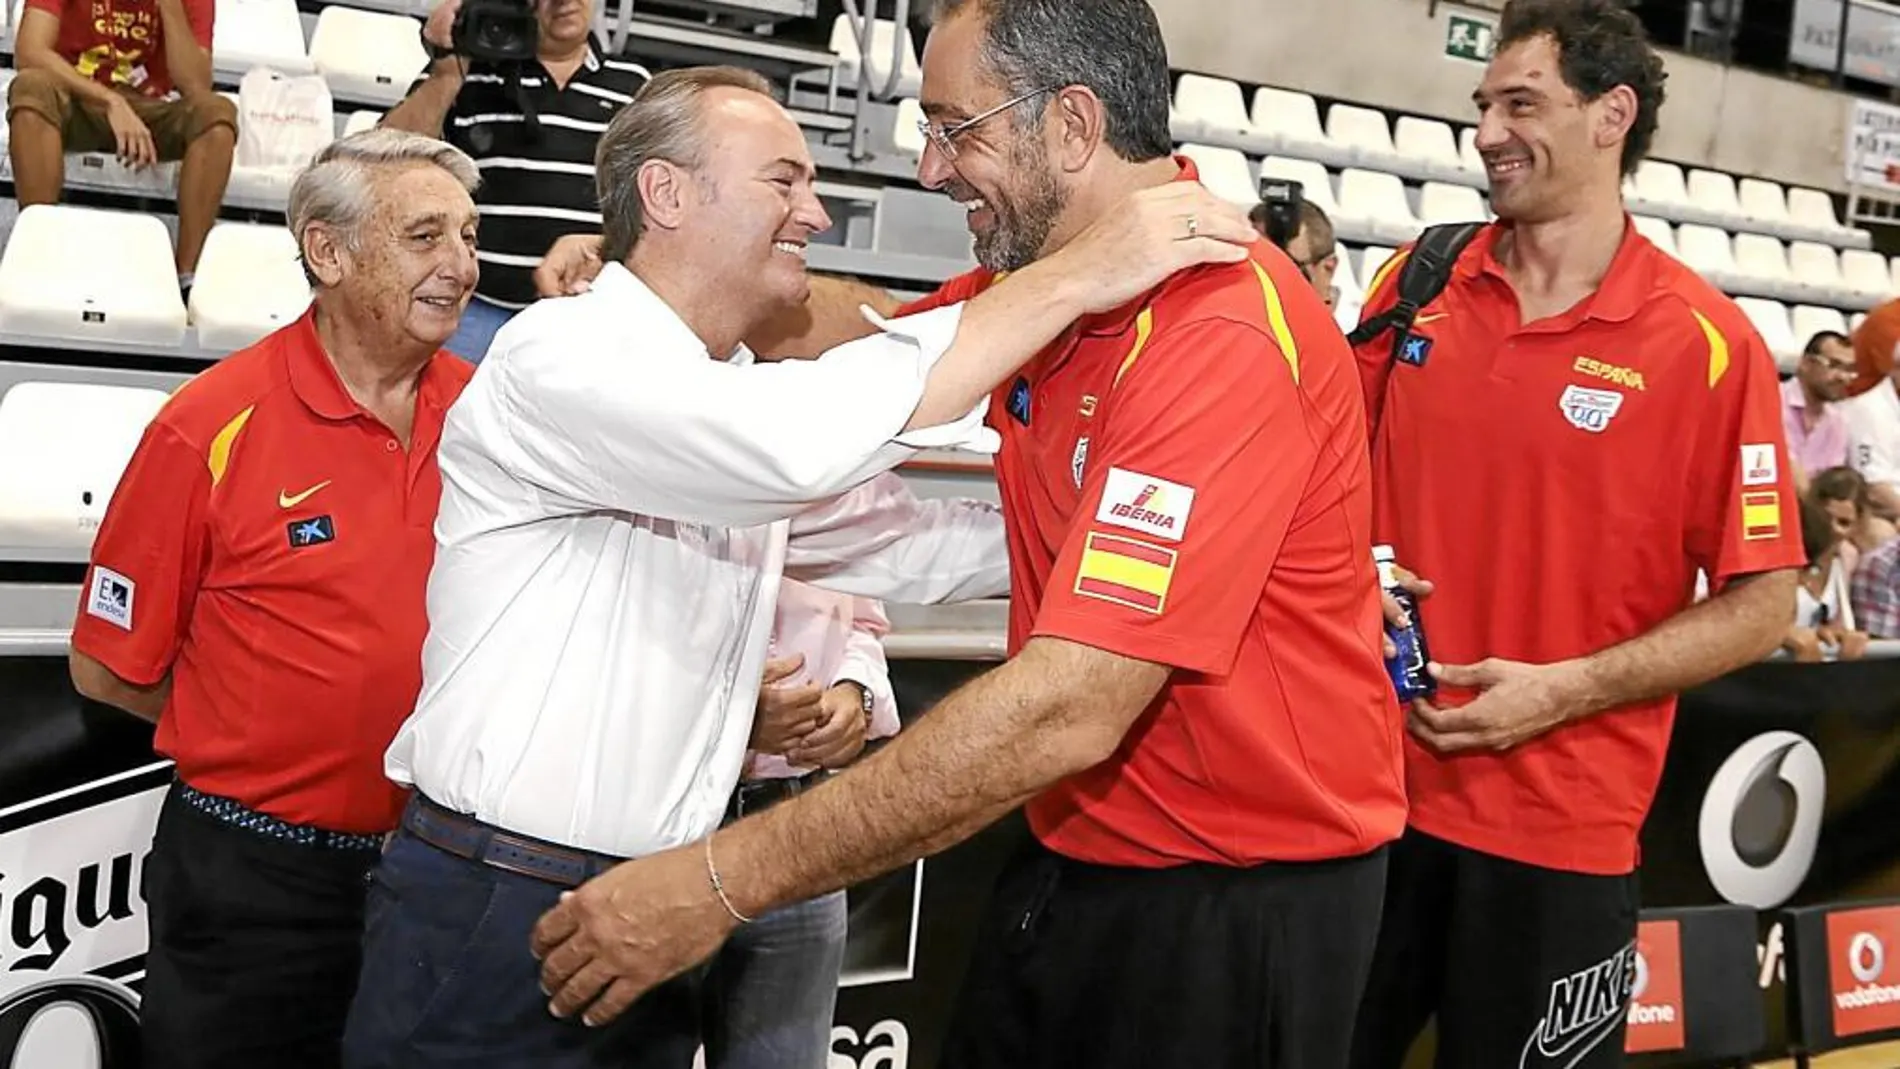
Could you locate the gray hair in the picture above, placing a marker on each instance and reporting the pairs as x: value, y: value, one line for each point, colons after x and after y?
x: 335, y: 188
x: 662, y: 123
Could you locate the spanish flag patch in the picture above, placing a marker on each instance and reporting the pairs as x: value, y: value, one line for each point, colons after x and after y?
x: 1126, y: 571
x: 1761, y: 515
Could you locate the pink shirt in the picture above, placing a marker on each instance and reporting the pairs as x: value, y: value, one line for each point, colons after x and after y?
x: 840, y: 638
x: 1813, y: 451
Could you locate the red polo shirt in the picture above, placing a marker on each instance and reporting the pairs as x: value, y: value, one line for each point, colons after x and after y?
x: 1184, y: 482
x: 268, y: 546
x: 1561, y: 482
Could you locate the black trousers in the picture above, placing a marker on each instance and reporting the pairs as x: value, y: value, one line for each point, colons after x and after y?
x: 1201, y: 966
x: 1523, y: 966
x: 255, y: 945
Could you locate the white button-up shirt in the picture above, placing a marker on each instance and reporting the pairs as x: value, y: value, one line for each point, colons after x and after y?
x: 617, y: 511
x: 1873, y: 433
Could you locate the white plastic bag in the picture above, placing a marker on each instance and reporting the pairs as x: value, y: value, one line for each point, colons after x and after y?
x: 283, y: 120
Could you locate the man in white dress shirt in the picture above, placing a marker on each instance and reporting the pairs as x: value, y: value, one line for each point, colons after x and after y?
x: 622, y: 491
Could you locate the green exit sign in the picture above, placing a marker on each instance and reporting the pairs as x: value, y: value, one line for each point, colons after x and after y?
x: 1469, y: 37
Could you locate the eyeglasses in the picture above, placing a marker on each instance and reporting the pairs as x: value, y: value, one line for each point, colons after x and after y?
x: 945, y: 137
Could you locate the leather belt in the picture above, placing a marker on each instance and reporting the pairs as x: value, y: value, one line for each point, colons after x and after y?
x: 756, y: 796
x: 465, y: 837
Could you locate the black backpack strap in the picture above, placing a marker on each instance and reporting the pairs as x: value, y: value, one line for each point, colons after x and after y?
x: 1422, y: 278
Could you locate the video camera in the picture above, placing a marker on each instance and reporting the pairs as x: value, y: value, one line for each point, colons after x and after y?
x: 1281, y: 200
x: 498, y: 31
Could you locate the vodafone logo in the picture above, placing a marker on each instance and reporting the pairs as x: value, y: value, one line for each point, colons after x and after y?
x: 1761, y: 819
x: 1656, y: 1017
x: 1866, y: 998
x: 1641, y: 983
x: 1866, y: 957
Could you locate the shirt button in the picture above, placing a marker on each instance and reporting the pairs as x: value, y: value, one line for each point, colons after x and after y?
x: 390, y: 446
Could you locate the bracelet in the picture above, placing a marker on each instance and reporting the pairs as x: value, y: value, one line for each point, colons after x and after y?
x: 719, y: 888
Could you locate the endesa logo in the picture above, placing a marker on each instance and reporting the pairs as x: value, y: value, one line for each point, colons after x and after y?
x: 1655, y: 1020
x: 1861, y: 975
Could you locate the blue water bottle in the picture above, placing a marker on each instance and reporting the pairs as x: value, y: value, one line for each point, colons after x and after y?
x: 1407, y: 667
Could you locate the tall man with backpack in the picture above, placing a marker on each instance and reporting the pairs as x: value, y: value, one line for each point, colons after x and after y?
x: 1566, y: 425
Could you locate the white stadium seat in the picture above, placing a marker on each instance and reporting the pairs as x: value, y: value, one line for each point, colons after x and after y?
x: 367, y: 55
x: 1365, y: 133
x: 1708, y: 252
x: 1225, y: 173
x: 1439, y: 202
x: 1813, y: 211
x: 1865, y: 273
x: 1468, y: 156
x: 906, y: 136
x: 360, y: 121
x: 1712, y: 193
x: 1317, y: 185
x: 1211, y: 109
x: 1290, y: 123
x: 50, y: 289
x: 63, y: 446
x: 259, y: 33
x: 1816, y: 269
x: 1658, y: 231
x: 248, y: 283
x: 1352, y: 296
x: 885, y: 35
x: 1771, y: 322
x: 1807, y: 320
x: 1660, y: 188
x: 1371, y: 260
x: 1765, y: 203
x: 1375, y: 201
x: 1428, y: 146
x: 1894, y: 276
x: 1854, y: 322
x: 1763, y: 262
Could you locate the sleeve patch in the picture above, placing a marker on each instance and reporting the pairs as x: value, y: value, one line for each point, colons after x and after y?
x: 1758, y: 464
x: 1144, y: 503
x: 1761, y: 515
x: 111, y: 597
x: 1126, y: 571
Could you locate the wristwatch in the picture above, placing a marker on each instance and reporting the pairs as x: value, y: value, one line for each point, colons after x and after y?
x: 864, y: 696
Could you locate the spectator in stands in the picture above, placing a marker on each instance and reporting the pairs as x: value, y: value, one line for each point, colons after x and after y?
x: 1817, y: 432
x: 532, y: 129
x: 131, y: 78
x: 1185, y: 481
x: 256, y: 589
x: 770, y: 992
x: 1313, y: 248
x: 1874, y: 592
x: 1873, y: 437
x: 1843, y: 493
x: 1823, y: 614
x: 1564, y: 618
x: 621, y: 492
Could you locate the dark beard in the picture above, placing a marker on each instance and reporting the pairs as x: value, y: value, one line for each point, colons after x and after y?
x: 1024, y: 222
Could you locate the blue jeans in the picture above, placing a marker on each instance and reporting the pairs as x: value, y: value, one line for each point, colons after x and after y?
x: 480, y: 321
x: 770, y: 991
x: 449, y: 981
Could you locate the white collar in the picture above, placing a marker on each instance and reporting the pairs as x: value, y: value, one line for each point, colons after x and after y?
x: 656, y: 320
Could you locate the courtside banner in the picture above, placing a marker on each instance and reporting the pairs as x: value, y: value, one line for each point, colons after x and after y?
x: 1656, y: 1005
x: 73, y: 939
x: 1843, y: 974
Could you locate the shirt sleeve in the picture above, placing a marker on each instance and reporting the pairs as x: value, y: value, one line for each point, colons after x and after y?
x: 147, y: 560
x: 865, y: 664
x: 202, y: 14
x: 953, y: 291
x: 1744, y: 516
x: 704, y: 441
x: 1201, y: 465
x: 880, y: 540
x: 55, y: 8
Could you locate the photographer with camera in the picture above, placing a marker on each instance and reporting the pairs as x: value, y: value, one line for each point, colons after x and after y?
x: 523, y: 87
x: 1301, y: 230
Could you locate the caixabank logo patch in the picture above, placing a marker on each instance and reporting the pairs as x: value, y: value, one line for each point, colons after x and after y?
x: 72, y: 922
x: 1863, y: 969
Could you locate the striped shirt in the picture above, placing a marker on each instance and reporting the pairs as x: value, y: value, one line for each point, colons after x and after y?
x: 536, y: 187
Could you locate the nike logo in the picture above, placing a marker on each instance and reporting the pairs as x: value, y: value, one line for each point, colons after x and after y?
x: 1433, y: 318
x: 291, y: 501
